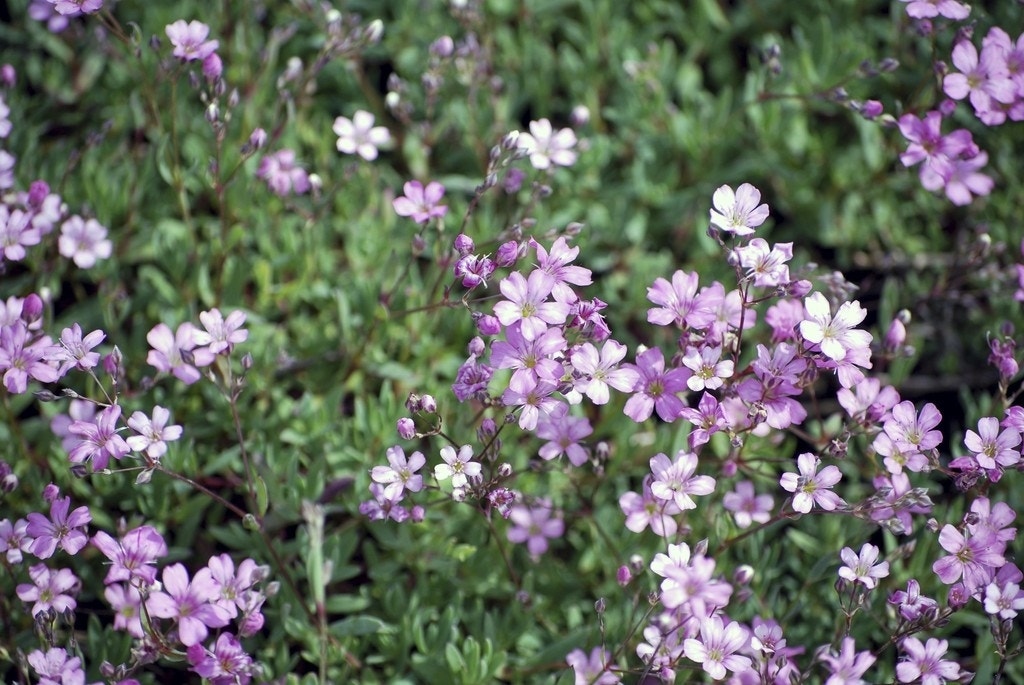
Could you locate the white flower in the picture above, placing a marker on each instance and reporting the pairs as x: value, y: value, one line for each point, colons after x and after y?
x: 359, y: 136
x: 547, y: 147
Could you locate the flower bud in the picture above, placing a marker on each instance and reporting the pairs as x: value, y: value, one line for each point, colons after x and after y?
x: 488, y: 427
x: 9, y: 483
x: 871, y: 109
x: 505, y: 470
x: 896, y: 335
x: 488, y: 325
x: 476, y: 347
x: 600, y: 605
x: 442, y: 47
x: 8, y: 76
x: 701, y: 548
x: 50, y: 493
x: 32, y: 309
x: 257, y: 139
x: 406, y: 428
x: 413, y: 402
x: 213, y: 113
x: 418, y: 513
x: 580, y: 116
x: 511, y: 140
x: 428, y: 404
x: 463, y: 244
x: 373, y: 32
x: 212, y: 67
x: 743, y: 574
x: 459, y: 494
x: 623, y: 576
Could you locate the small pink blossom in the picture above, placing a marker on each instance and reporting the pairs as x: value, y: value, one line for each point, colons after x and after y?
x: 459, y: 466
x: 534, y: 525
x: 738, y: 212
x: 421, y: 203
x: 863, y: 568
x: 548, y: 147
x: 282, y: 174
x: 84, y: 241
x: 811, y: 487
x: 189, y: 40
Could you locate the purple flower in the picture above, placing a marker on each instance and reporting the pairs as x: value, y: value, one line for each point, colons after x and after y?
x: 708, y: 368
x: 20, y: 358
x: 548, y: 147
x: 126, y: 602
x: 835, y: 334
x: 746, y: 506
x: 910, y: 603
x: 166, y: 355
x: 1004, y: 600
x: 61, y: 529
x: 534, y: 396
x: 992, y: 447
x: 133, y: 556
x: 738, y: 212
x: 974, y: 558
x: 231, y: 586
x: 912, y: 431
x: 557, y: 264
x: 282, y: 175
x: 401, y: 473
x: 982, y: 79
x: 716, y: 650
x: 226, y: 664
x: 48, y: 589
x: 7, y: 161
x: 421, y: 203
x: 924, y: 662
x: 862, y: 568
x: 153, y: 434
x: 14, y: 539
x: 656, y: 390
x: 811, y: 487
x: 529, y: 357
x: 99, y: 440
x: 679, y: 303
x: 534, y: 526
x: 965, y: 179
x: 647, y: 510
x: 83, y: 242
x: 766, y: 267
x: 564, y: 432
x: 76, y: 351
x: 188, y: 603
x: 189, y: 40
x: 359, y: 136
x: 674, y: 480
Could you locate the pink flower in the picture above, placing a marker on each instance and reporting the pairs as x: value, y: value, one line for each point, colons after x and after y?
x: 547, y: 147
x: 558, y: 264
x: 924, y: 663
x: 84, y: 242
x: 534, y: 396
x: 656, y: 389
x: 564, y: 432
x: 926, y: 9
x: 54, y: 667
x: 526, y: 301
x: 126, y: 602
x: 534, y: 525
x: 982, y: 79
x: 76, y: 351
x: 679, y: 303
x: 16, y: 229
x: 1004, y: 600
x: 14, y: 539
x: 709, y: 369
x: 992, y: 447
x: 74, y: 7
x: 189, y: 40
x: 226, y: 664
x: 21, y: 358
x: 716, y: 650
x: 746, y: 506
x: 591, y: 670
x: 765, y: 266
x: 862, y: 568
x: 738, y: 212
x: 674, y: 481
x: 282, y: 175
x: 647, y: 510
x: 848, y: 666
x: 401, y: 473
x: 99, y: 440
x: 974, y: 558
x: 166, y: 355
x: 910, y: 602
x: 810, y: 487
x: 359, y: 136
x: 188, y: 603
x: 422, y: 204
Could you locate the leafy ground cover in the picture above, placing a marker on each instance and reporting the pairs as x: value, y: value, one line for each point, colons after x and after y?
x: 565, y: 341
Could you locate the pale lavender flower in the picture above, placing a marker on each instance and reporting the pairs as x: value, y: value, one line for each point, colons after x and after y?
x: 21, y: 359
x: 594, y: 669
x: 282, y: 174
x: 679, y: 302
x: 911, y: 604
x: 56, y: 667
x: 100, y: 440
x: 765, y: 265
x: 563, y: 432
x: 835, y: 334
x: 746, y: 506
x: 126, y: 602
x: 221, y: 334
x: 188, y: 603
x: 924, y: 662
x: 656, y: 390
x: 534, y: 396
x: 1004, y: 600
x: 598, y: 371
x: 153, y: 434
x: 526, y: 302
x: 16, y: 229
x: 189, y: 40
x: 965, y: 181
x: 166, y: 355
x: 974, y: 558
x: 717, y: 649
x: 400, y: 474
x: 811, y: 487
x: 674, y: 480
x: 359, y: 136
x: 982, y: 79
x: 226, y: 664
x: 643, y: 510
x: 548, y: 147
x: 232, y: 586
x: 534, y: 525
x: 709, y: 369
x: 14, y: 539
x: 738, y: 212
x: 421, y: 203
x: 847, y: 667
x: 49, y: 589
x: 76, y: 351
x: 7, y: 162
x: 62, y: 529
x: 558, y: 264
x: 529, y: 357
x: 75, y: 7
x: 459, y: 466
x: 134, y: 556
x: 863, y: 568
x: 84, y: 242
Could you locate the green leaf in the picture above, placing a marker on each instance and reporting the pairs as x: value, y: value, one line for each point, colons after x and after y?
x: 358, y: 625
